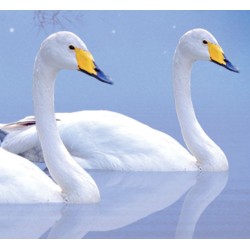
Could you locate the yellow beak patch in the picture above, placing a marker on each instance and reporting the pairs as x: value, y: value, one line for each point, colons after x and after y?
x: 86, y: 64
x: 216, y: 53
x: 85, y: 61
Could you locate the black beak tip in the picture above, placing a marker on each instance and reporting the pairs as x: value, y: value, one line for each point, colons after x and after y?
x: 102, y: 77
x: 99, y: 76
x: 230, y: 66
x: 108, y: 81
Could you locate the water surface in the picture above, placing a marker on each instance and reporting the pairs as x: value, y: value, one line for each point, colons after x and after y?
x: 142, y: 205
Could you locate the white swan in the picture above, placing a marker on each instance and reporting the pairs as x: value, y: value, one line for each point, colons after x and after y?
x: 108, y: 140
x: 20, y: 180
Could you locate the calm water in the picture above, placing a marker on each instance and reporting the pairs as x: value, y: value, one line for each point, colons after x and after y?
x: 142, y: 205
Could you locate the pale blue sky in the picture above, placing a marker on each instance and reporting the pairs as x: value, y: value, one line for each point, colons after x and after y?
x: 136, y: 49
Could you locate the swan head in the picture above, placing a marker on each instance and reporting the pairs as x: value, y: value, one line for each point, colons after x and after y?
x: 199, y: 44
x: 65, y: 50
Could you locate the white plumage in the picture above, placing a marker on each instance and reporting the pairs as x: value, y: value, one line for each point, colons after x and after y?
x: 23, y: 182
x: 108, y: 140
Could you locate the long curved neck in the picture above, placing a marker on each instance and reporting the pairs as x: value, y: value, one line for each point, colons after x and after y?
x: 209, y: 156
x: 77, y: 186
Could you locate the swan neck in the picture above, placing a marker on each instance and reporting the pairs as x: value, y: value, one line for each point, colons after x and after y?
x: 76, y: 184
x: 209, y: 156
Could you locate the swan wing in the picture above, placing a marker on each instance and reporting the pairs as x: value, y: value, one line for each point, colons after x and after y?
x: 109, y: 140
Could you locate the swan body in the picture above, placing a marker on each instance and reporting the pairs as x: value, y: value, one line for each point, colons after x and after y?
x: 23, y: 182
x: 108, y: 140
x: 20, y: 180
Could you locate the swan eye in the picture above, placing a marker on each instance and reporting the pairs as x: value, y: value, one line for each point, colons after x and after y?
x: 204, y: 42
x: 71, y: 47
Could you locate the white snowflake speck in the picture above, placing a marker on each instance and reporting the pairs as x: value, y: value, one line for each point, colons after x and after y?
x: 11, y: 30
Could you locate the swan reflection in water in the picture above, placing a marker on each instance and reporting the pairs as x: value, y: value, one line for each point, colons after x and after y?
x: 127, y: 197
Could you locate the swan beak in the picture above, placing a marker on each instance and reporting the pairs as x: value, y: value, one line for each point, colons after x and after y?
x: 217, y: 56
x: 86, y: 64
